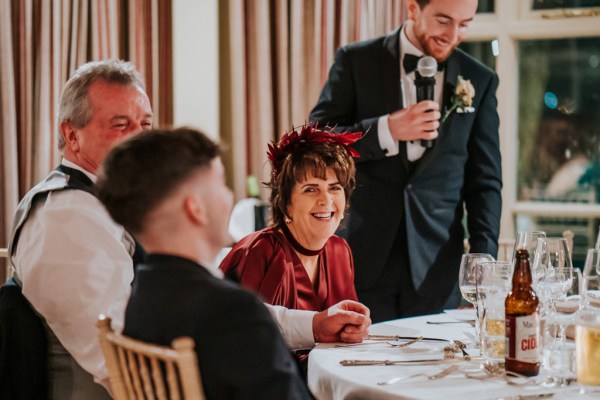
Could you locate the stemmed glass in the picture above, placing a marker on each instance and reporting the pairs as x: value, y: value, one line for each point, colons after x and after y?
x: 469, y: 279
x: 554, y: 271
x: 530, y: 241
x: 554, y: 259
x: 587, y: 331
x: 590, y: 290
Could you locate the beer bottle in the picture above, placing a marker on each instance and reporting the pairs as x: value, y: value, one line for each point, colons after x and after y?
x: 522, y: 354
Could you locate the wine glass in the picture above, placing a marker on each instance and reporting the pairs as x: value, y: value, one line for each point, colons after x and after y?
x: 590, y: 288
x: 469, y: 279
x: 529, y: 242
x: 558, y: 355
x: 555, y: 271
x: 532, y: 242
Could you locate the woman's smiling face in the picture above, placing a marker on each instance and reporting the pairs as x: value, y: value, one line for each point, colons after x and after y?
x: 316, y: 209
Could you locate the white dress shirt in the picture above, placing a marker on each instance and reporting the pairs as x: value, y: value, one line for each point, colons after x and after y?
x: 414, y: 149
x: 75, y: 263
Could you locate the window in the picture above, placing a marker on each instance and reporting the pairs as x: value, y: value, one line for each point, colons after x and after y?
x: 485, y: 6
x: 548, y: 61
x: 483, y: 51
x: 554, y: 4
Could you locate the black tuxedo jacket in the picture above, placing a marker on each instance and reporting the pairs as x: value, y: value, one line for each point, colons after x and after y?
x: 240, y: 350
x: 462, y: 169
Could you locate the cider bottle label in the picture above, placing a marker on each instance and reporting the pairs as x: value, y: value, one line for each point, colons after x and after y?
x: 522, y: 338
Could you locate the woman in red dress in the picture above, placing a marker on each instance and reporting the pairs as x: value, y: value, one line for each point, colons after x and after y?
x: 298, y: 262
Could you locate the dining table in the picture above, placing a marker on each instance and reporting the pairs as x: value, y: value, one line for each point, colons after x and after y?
x: 335, y: 370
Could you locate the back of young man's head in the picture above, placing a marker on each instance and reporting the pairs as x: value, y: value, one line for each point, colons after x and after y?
x: 144, y: 170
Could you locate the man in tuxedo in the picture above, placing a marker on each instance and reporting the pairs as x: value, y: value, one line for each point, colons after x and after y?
x: 73, y: 262
x: 168, y: 188
x: 405, y: 224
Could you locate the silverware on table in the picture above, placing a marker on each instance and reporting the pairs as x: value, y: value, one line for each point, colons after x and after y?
x: 528, y: 396
x: 396, y: 337
x: 462, y: 347
x: 357, y: 363
x: 406, y: 344
x: 443, y: 373
x: 466, y: 321
x: 397, y: 345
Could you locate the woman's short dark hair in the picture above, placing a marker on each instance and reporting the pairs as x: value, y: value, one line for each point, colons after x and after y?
x: 313, y: 159
x: 143, y: 170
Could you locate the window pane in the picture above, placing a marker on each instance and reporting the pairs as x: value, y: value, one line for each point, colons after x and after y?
x: 552, y: 4
x: 559, y: 129
x: 485, y: 6
x: 483, y: 51
x: 559, y: 120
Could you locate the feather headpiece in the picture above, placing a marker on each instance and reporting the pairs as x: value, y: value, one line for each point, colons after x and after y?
x: 293, y: 141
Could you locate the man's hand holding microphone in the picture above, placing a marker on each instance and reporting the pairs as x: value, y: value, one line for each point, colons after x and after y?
x: 420, y: 120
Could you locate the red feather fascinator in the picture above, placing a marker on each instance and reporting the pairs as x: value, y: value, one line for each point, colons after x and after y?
x: 293, y: 141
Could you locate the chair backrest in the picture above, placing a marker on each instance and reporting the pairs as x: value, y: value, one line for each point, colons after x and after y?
x: 568, y: 234
x: 140, y: 370
x: 506, y: 248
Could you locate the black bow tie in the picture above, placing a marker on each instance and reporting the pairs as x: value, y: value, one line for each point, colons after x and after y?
x: 409, y: 62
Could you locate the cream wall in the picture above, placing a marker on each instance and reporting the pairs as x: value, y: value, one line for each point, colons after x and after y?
x: 195, y: 65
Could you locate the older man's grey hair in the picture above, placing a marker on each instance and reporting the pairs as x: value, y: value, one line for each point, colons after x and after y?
x: 75, y: 106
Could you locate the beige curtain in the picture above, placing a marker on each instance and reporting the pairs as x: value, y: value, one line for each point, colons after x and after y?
x: 41, y: 43
x: 275, y: 57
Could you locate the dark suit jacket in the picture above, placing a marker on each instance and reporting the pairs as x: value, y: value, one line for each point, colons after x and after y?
x: 240, y: 350
x: 463, y: 167
x: 23, y: 347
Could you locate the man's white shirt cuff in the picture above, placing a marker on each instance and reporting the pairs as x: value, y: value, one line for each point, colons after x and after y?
x: 389, y: 146
x: 295, y: 325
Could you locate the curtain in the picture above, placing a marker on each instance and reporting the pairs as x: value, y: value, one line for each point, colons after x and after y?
x: 275, y: 57
x: 41, y: 43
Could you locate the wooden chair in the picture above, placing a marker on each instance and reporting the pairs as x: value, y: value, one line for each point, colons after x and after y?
x: 139, y: 370
x: 568, y: 234
x: 506, y: 248
x: 5, y: 269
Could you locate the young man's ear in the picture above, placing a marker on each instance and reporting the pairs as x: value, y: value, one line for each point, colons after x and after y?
x: 70, y: 136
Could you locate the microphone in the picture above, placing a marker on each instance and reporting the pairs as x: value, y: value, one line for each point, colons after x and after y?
x: 425, y: 84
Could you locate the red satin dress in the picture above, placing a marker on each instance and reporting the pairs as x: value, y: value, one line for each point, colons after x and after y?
x: 265, y: 261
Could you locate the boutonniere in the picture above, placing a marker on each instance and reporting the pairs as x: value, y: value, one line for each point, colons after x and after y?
x: 462, y: 99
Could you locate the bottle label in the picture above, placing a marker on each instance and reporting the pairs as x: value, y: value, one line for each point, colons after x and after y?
x: 522, y: 338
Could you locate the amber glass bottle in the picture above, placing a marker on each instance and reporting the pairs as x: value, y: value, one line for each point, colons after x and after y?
x: 522, y: 354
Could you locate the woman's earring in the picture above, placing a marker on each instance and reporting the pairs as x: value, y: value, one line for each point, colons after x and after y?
x: 342, y: 216
x: 287, y: 220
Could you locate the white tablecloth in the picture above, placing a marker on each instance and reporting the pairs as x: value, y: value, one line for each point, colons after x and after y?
x: 327, y: 379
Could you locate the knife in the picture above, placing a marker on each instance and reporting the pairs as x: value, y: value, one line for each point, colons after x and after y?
x: 395, y: 337
x: 353, y: 363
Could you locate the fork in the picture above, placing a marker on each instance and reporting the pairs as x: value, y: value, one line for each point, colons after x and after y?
x: 405, y: 344
x: 439, y: 375
x: 466, y: 321
x: 399, y: 345
x: 461, y: 347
